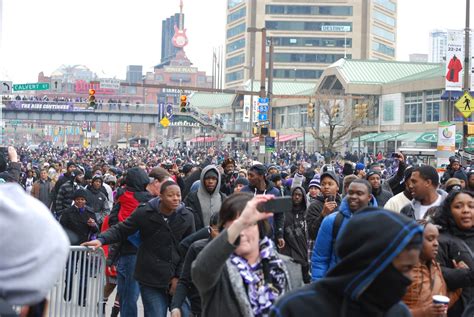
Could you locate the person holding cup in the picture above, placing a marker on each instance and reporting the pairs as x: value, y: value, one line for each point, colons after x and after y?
x: 428, y: 295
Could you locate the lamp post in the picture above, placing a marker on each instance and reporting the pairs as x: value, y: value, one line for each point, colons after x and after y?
x: 466, y: 70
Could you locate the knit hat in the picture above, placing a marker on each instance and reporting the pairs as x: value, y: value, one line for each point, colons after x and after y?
x: 272, y: 167
x: 211, y: 174
x: 96, y: 177
x: 110, y: 178
x: 34, y: 248
x: 284, y: 175
x: 461, y: 175
x: 330, y: 174
x: 314, y: 183
x: 259, y: 169
x: 242, y: 181
x: 360, y: 166
x: 80, y: 193
x: 453, y: 184
x: 371, y: 173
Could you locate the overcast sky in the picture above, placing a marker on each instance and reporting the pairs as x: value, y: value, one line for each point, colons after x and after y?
x: 108, y: 35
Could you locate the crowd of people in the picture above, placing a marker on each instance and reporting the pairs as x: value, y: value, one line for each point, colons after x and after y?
x: 187, y: 230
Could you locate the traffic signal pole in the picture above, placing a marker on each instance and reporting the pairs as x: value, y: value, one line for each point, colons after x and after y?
x: 467, y: 70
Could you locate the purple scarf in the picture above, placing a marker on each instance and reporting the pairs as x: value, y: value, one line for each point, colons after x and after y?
x: 262, y: 290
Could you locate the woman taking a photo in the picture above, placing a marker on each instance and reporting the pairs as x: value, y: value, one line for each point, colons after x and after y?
x: 239, y: 273
x: 456, y: 245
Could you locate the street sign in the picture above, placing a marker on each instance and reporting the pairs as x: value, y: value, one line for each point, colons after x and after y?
x: 261, y: 123
x: 263, y: 101
x: 465, y: 105
x: 33, y: 86
x: 165, y: 122
x: 262, y: 116
x: 109, y: 83
x: 6, y: 87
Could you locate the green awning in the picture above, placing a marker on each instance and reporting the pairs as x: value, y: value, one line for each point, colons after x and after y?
x: 409, y: 136
x: 384, y: 136
x: 432, y: 137
x: 364, y: 137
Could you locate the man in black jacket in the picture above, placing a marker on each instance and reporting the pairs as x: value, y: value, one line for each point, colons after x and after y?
x: 380, y: 194
x: 68, y: 176
x: 162, y: 223
x: 378, y: 250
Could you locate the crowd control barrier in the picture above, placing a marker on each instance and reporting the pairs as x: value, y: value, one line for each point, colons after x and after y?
x: 80, y: 288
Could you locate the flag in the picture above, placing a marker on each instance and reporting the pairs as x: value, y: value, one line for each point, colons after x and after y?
x: 161, y: 111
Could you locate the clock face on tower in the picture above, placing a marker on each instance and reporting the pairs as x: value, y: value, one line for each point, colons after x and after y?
x: 179, y: 39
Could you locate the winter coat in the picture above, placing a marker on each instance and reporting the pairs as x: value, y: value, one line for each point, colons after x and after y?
x: 278, y: 219
x: 459, y: 248
x: 219, y: 282
x: 65, y: 196
x: 60, y: 182
x: 158, y: 256
x: 382, y: 196
x: 314, y: 218
x: 324, y: 257
x: 342, y: 291
x: 97, y: 201
x: 295, y: 233
x: 410, y: 209
x: 127, y: 202
x: 42, y: 190
x: 76, y: 222
x: 192, y: 199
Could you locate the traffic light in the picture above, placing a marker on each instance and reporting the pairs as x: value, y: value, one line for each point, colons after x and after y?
x: 311, y: 110
x: 91, y: 100
x: 364, y: 110
x: 183, y: 103
x: 335, y: 111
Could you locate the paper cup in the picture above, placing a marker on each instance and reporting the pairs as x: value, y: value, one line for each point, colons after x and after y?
x: 440, y: 299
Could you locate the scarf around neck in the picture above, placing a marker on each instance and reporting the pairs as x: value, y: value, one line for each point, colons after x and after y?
x: 262, y: 288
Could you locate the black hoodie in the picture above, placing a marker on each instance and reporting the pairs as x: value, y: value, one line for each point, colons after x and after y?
x: 364, y: 282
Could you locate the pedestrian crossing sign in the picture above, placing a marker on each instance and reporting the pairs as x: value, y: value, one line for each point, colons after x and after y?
x: 165, y: 122
x: 465, y: 105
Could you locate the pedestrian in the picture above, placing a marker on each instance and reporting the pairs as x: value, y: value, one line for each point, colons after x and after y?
x: 456, y: 245
x: 423, y: 186
x: 381, y: 195
x: 240, y: 183
x: 323, y: 257
x: 427, y: 279
x: 378, y: 250
x: 42, y: 188
x: 64, y: 198
x: 314, y: 189
x: 239, y: 273
x: 397, y: 202
x: 97, y: 200
x: 295, y: 232
x: 162, y: 223
x: 208, y: 198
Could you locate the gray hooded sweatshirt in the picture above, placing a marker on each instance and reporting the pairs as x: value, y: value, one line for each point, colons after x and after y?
x: 210, y: 202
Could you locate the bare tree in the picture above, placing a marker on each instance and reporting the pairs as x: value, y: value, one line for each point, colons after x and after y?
x: 338, y: 119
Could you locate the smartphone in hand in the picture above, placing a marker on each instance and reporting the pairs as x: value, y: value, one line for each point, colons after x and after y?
x: 277, y: 205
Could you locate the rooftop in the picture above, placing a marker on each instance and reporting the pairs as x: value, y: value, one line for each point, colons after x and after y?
x: 383, y: 72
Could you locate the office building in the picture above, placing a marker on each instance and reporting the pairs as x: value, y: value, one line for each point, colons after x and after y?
x: 438, y: 40
x: 307, y: 36
x: 418, y: 58
x: 168, y: 50
x: 134, y: 74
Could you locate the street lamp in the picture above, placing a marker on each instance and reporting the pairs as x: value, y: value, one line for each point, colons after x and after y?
x: 264, y: 57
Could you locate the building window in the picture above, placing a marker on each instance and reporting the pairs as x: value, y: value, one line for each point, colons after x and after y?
x: 382, y: 48
x: 300, y: 73
x: 433, y: 105
x: 236, y: 30
x: 389, y: 5
x: 309, y: 26
x: 294, y: 117
x: 414, y: 107
x: 390, y: 36
x: 234, y: 61
x: 238, y: 75
x: 236, y: 45
x: 388, y: 110
x: 279, y: 115
x: 379, y: 16
x: 233, y: 3
x: 312, y: 41
x: 308, y: 58
x: 308, y: 10
x: 234, y: 16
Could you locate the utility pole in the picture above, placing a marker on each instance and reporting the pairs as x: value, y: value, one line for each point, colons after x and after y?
x: 467, y: 70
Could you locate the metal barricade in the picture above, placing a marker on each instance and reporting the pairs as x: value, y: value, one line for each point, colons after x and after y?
x: 80, y: 289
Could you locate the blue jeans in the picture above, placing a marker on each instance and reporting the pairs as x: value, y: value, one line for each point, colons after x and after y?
x: 127, y: 286
x: 156, y: 302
